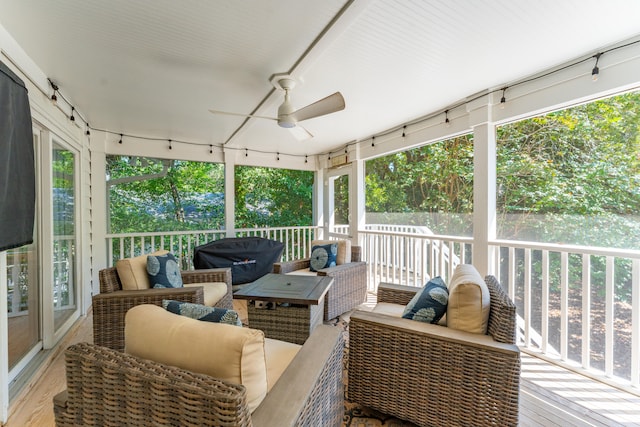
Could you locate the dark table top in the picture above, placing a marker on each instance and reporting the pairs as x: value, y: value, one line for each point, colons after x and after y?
x: 286, y: 288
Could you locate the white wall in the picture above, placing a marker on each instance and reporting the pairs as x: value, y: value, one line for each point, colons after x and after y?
x: 54, y: 120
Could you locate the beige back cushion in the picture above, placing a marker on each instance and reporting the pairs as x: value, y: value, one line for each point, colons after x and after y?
x: 344, y: 249
x: 469, y: 301
x: 213, y: 291
x: 226, y: 352
x: 133, y: 271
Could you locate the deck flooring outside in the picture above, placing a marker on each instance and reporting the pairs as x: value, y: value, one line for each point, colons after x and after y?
x: 549, y: 395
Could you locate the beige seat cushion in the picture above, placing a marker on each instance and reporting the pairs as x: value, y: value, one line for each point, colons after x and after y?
x: 133, y: 271
x: 279, y: 355
x: 390, y: 309
x: 469, y: 301
x: 226, y: 352
x: 303, y: 272
x: 344, y: 249
x: 213, y: 291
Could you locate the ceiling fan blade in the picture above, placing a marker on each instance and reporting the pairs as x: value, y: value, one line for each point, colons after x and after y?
x: 300, y: 133
x: 328, y: 105
x: 226, y: 113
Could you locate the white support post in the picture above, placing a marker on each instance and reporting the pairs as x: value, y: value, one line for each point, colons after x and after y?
x: 484, y: 196
x: 229, y: 194
x: 357, y: 201
x: 319, y: 199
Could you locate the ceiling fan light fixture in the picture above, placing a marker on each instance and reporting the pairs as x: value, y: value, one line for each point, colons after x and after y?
x: 286, y: 122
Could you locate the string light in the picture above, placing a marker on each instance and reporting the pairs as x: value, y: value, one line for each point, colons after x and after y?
x: 404, y: 131
x: 246, y: 152
x: 305, y: 159
x: 447, y: 122
x: 278, y: 156
x: 596, y: 71
x: 210, y: 149
x: 54, y: 98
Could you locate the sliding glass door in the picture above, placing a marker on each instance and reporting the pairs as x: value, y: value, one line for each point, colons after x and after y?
x: 64, y: 200
x: 23, y: 297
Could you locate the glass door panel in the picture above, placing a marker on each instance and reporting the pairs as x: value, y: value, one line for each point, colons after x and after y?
x: 23, y: 296
x: 340, y: 217
x: 23, y: 306
x: 64, y: 238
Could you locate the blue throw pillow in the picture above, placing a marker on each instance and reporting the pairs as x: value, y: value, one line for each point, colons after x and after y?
x: 323, y: 256
x: 163, y: 271
x: 430, y: 303
x: 202, y: 312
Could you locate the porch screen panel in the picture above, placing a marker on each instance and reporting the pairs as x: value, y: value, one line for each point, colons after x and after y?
x: 17, y: 170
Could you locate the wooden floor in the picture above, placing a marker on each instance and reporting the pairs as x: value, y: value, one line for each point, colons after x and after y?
x: 549, y: 395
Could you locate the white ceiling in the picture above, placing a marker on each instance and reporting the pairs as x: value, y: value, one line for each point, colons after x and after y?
x: 154, y: 68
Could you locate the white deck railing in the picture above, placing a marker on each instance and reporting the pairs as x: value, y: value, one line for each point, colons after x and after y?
x: 411, y: 259
x: 182, y: 243
x: 577, y: 306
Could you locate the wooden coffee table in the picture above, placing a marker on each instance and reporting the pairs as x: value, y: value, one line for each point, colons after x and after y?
x: 298, y: 305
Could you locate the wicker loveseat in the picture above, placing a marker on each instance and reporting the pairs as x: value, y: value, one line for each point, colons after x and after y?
x: 432, y: 375
x: 111, y: 388
x: 349, y: 288
x: 112, y: 303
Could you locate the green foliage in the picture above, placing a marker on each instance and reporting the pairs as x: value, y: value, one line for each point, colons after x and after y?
x: 571, y: 176
x: 164, y: 195
x: 436, y: 178
x: 273, y: 197
x: 579, y: 163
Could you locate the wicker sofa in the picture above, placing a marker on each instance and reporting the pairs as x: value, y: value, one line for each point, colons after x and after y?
x: 112, y: 303
x: 349, y: 288
x: 432, y: 375
x: 111, y: 388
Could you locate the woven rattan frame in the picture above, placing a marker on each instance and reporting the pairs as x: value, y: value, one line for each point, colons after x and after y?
x: 286, y: 323
x: 109, y: 388
x: 432, y: 375
x: 349, y: 288
x: 111, y: 305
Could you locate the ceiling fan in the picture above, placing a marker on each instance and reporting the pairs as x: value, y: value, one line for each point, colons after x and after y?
x: 288, y: 117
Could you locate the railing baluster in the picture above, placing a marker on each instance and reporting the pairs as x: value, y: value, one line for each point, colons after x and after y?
x: 527, y: 297
x: 635, y: 323
x: 564, y: 305
x: 452, y: 256
x: 586, y: 311
x: 512, y: 272
x: 545, y: 302
x: 609, y: 312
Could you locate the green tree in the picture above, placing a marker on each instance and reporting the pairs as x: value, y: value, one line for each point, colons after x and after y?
x: 273, y: 197
x: 435, y: 178
x: 164, y: 195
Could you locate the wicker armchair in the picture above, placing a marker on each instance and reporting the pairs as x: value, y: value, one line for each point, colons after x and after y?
x: 110, y: 388
x: 112, y: 303
x: 432, y: 375
x: 349, y: 288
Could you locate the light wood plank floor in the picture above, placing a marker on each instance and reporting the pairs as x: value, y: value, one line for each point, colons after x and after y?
x: 550, y: 396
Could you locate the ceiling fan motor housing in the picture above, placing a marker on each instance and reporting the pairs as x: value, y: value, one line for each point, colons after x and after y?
x: 285, y: 117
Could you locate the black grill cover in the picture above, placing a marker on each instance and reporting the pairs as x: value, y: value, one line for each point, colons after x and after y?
x: 249, y: 257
